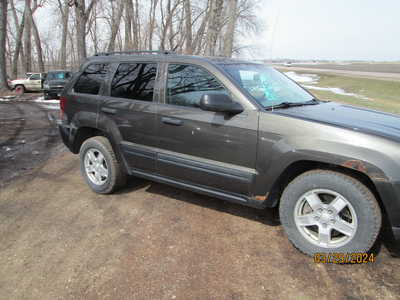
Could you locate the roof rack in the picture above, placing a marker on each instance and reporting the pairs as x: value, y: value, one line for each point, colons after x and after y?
x: 136, y: 52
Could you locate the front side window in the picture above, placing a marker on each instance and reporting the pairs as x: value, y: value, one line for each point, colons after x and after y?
x: 91, y: 79
x: 268, y: 86
x: 187, y: 83
x: 134, y: 81
x: 35, y: 77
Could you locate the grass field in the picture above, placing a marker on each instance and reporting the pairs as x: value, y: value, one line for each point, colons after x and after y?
x: 382, y: 95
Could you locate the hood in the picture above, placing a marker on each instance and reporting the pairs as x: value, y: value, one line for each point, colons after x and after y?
x: 354, y: 118
x: 17, y: 80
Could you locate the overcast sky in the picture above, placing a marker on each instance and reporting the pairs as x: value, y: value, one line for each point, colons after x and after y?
x: 320, y: 29
x: 330, y: 29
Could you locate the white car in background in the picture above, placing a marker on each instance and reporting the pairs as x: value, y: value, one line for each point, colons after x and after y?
x: 33, y: 82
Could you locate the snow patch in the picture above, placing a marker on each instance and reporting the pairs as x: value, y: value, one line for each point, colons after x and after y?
x: 335, y: 90
x: 302, y: 78
x: 54, y: 106
x: 42, y: 100
x: 310, y: 79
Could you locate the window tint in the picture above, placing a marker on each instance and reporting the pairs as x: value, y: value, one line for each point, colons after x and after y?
x: 58, y: 75
x: 187, y: 83
x: 91, y: 79
x: 134, y: 81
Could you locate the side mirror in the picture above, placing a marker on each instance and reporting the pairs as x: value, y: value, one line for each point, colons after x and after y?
x: 220, y: 102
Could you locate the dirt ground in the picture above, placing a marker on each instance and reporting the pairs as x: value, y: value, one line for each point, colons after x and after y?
x: 59, y: 240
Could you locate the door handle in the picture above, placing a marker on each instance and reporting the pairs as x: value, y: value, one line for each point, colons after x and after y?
x: 171, y: 121
x: 109, y: 110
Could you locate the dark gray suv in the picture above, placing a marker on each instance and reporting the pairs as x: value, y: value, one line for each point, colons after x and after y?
x: 241, y: 132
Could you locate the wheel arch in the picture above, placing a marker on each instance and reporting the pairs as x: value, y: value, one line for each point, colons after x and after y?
x: 85, y: 132
x: 299, y: 167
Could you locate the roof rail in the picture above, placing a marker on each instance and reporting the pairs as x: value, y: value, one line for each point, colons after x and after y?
x: 134, y: 52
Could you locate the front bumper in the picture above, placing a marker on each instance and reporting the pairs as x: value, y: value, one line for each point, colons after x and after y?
x: 54, y: 92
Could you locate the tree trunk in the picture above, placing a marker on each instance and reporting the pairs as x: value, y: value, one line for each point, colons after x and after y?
x: 128, y: 24
x: 152, y: 17
x: 115, y: 22
x: 188, y: 27
x: 38, y: 44
x: 3, y: 34
x: 81, y: 16
x: 200, y: 33
x: 18, y: 42
x: 214, y: 26
x: 136, y: 28
x: 230, y: 30
x: 64, y: 10
x: 27, y: 37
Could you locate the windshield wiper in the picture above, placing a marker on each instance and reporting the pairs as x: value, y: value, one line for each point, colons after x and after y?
x: 292, y: 104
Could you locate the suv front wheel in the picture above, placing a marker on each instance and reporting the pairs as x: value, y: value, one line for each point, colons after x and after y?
x: 99, y: 165
x: 324, y: 212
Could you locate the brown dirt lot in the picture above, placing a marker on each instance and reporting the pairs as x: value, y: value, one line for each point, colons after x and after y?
x: 59, y: 240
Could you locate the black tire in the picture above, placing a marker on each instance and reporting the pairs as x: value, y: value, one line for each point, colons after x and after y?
x: 362, y: 200
x: 116, y: 177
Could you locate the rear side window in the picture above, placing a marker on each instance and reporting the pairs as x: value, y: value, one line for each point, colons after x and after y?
x: 187, y: 83
x: 91, y: 79
x: 134, y: 81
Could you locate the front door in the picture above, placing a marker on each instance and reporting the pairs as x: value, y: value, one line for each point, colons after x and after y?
x: 210, y: 149
x: 34, y: 83
x: 131, y: 105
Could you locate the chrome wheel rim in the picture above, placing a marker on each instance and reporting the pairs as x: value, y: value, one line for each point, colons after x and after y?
x: 325, y: 218
x: 96, y: 166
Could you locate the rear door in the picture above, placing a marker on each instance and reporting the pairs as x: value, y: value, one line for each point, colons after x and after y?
x: 200, y: 147
x: 130, y: 105
x: 86, y: 94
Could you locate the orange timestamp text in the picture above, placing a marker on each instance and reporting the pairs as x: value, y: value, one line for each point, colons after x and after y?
x: 344, y: 258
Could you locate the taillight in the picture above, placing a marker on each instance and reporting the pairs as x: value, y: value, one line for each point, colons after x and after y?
x: 63, y: 103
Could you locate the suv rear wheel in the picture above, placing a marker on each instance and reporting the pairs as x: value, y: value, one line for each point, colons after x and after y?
x: 324, y: 211
x: 99, y: 165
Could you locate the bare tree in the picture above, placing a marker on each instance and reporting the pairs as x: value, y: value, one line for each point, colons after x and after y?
x: 18, y: 41
x: 3, y: 36
x: 81, y: 17
x: 27, y: 36
x: 214, y: 26
x: 152, y: 16
x: 114, y: 24
x: 230, y: 30
x: 129, y: 15
x: 188, y: 27
x: 36, y: 36
x: 64, y: 11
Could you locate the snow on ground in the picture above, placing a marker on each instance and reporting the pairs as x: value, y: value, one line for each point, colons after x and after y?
x: 335, y: 90
x: 310, y: 79
x: 42, y: 100
x: 302, y: 78
x: 50, y: 106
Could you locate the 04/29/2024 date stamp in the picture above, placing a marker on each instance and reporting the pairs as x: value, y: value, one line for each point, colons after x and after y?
x: 344, y: 258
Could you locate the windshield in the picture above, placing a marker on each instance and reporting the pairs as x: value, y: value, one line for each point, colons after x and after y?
x: 268, y: 86
x: 58, y: 75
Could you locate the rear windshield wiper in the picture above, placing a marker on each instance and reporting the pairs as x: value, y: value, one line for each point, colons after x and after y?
x: 292, y: 104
